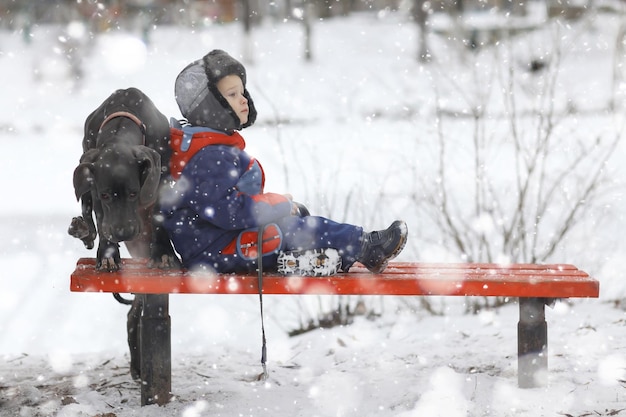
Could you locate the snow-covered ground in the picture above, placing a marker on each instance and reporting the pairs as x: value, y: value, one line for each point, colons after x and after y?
x: 344, y: 134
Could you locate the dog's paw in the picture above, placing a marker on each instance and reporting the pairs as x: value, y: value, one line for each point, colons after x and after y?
x: 107, y: 265
x: 80, y: 229
x: 165, y: 261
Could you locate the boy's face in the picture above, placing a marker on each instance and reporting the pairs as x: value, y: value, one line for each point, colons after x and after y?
x: 231, y: 87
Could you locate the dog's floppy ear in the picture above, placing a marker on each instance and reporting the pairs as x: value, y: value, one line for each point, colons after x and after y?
x: 84, y: 173
x: 83, y: 179
x: 150, y: 168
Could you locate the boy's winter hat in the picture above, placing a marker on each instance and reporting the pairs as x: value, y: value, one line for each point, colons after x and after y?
x: 200, y: 101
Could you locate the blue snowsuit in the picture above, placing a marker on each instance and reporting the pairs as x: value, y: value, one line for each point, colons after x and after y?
x: 216, y: 193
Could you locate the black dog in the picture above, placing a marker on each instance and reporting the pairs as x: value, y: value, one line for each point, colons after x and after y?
x: 125, y: 160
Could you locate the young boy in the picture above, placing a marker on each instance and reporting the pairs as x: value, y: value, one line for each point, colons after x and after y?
x: 216, y: 205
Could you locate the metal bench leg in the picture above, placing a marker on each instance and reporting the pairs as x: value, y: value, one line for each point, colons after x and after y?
x: 155, y: 342
x: 532, y: 343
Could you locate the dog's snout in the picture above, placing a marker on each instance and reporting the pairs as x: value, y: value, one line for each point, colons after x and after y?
x: 120, y: 233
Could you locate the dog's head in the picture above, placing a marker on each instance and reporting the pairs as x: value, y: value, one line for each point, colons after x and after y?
x: 122, y: 179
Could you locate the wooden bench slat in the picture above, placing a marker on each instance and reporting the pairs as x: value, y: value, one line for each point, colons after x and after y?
x: 400, y: 278
x: 482, y: 266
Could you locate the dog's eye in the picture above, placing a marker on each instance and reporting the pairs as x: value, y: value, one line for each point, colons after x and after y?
x: 132, y: 195
x: 105, y: 196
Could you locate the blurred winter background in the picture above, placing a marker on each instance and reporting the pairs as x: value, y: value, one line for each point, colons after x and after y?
x: 494, y: 128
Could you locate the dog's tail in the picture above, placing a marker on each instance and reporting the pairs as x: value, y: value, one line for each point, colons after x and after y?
x: 121, y: 299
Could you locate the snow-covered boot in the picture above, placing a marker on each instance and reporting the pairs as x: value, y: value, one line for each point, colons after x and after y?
x: 312, y: 262
x: 379, y: 247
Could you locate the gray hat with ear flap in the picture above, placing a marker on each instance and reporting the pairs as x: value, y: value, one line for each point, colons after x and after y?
x: 198, y: 98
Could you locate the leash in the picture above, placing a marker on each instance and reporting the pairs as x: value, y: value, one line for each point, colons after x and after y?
x: 264, y: 375
x: 118, y: 297
x: 302, y: 212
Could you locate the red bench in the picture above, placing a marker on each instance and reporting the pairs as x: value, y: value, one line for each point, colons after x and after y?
x: 534, y: 285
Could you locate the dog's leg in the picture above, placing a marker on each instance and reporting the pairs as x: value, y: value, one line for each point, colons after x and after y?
x: 132, y: 328
x: 154, y: 243
x: 162, y: 253
x: 86, y: 202
x: 108, y: 258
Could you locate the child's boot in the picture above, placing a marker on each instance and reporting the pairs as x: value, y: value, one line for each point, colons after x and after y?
x: 379, y: 247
